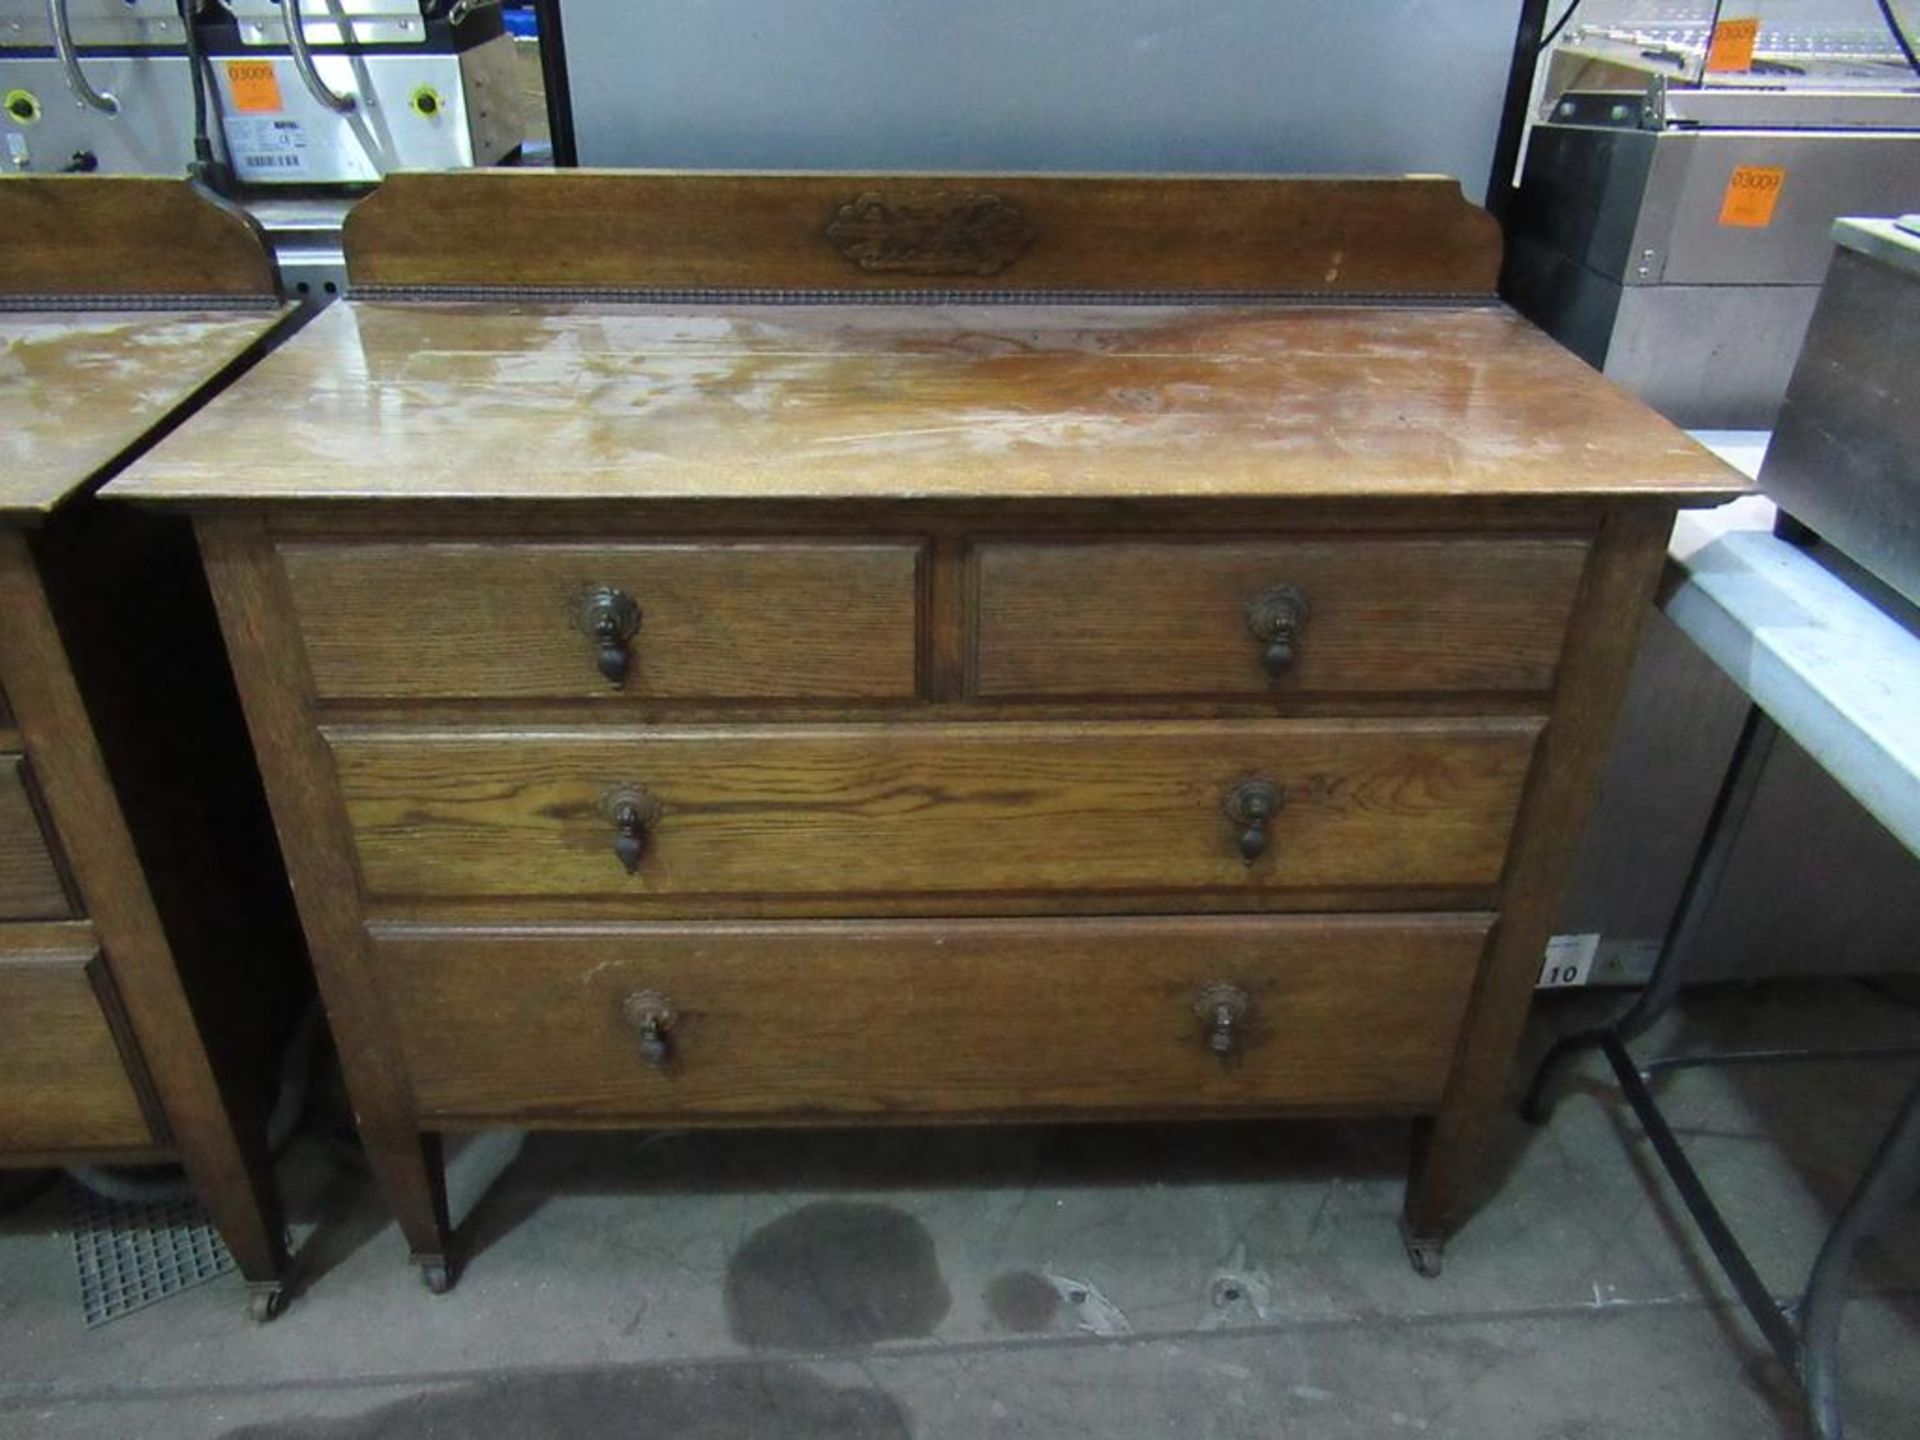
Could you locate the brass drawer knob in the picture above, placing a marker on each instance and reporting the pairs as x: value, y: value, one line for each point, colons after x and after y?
x: 1276, y: 619
x: 1251, y: 805
x: 1222, y: 1009
x: 652, y: 1017
x: 611, y: 618
x: 632, y: 812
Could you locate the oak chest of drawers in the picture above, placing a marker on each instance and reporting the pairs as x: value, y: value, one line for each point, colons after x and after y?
x: 150, y: 963
x: 717, y: 672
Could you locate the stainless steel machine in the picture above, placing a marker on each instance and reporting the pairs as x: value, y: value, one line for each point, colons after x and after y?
x: 1845, y: 459
x: 1672, y: 216
x: 90, y: 85
x: 341, y: 91
x: 305, y: 92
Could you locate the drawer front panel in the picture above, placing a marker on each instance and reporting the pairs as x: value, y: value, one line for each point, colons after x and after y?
x: 30, y: 884
x: 63, y: 1083
x: 708, y: 622
x: 1359, y: 616
x: 979, y: 1017
x: 932, y: 809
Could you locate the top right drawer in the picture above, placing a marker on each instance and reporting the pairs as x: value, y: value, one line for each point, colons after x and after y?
x: 1354, y: 616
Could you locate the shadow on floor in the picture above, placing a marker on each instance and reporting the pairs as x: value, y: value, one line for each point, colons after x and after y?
x: 687, y: 1402
x: 833, y: 1162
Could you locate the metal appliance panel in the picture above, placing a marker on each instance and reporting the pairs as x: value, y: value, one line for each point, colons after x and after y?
x: 152, y: 134
x: 476, y: 120
x: 368, y: 22
x: 1643, y: 207
x: 93, y: 22
x: 1845, y: 457
x: 1828, y: 173
x: 1362, y: 87
x: 1715, y: 356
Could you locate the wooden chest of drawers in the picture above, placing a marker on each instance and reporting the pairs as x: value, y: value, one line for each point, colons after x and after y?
x: 150, y: 966
x: 684, y: 710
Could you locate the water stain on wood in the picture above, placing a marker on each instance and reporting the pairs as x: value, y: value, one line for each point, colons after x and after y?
x: 835, y: 1273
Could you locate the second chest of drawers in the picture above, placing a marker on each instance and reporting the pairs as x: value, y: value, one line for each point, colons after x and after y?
x: 720, y: 713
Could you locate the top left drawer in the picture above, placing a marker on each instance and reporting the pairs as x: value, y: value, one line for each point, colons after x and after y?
x: 710, y: 620
x: 30, y: 883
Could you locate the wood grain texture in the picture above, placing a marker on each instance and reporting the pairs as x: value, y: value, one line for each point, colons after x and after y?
x: 974, y: 1018
x: 717, y: 621
x: 64, y: 1084
x: 1616, y: 597
x: 31, y: 887
x: 227, y: 1165
x: 256, y: 616
x: 127, y: 235
x: 1387, y: 615
x: 80, y: 389
x: 627, y: 229
x: 932, y: 810
x: 1158, y: 405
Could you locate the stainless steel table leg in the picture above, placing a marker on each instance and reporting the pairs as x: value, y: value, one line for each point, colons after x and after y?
x: 1891, y: 1178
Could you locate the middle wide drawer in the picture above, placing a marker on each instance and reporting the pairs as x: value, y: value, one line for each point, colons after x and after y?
x: 937, y: 810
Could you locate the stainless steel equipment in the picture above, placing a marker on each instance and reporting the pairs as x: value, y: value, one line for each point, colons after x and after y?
x: 342, y: 91
x: 113, y: 94
x: 1360, y: 87
x: 1671, y: 222
x: 1845, y: 459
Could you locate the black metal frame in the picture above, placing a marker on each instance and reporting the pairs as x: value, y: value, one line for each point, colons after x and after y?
x: 553, y: 73
x: 1804, y: 1337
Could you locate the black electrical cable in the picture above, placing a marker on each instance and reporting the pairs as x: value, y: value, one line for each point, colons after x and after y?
x: 1553, y: 33
x: 205, y: 170
x: 1899, y: 35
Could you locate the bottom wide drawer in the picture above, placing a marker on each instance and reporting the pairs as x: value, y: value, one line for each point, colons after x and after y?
x: 64, y: 1084
x: 815, y: 1020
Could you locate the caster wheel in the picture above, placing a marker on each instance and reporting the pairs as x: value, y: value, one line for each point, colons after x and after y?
x: 1425, y: 1256
x: 266, y: 1304
x: 437, y: 1276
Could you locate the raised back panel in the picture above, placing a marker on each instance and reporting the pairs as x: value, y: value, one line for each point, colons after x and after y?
x: 607, y: 231
x: 107, y: 236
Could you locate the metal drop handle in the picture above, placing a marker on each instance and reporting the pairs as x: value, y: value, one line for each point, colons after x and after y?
x: 1251, y: 805
x: 652, y: 1017
x: 632, y: 812
x: 1222, y: 1009
x: 291, y: 18
x: 83, y: 91
x: 1276, y: 617
x: 610, y: 618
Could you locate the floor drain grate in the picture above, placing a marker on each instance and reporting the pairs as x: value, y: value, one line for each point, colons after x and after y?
x: 130, y: 1255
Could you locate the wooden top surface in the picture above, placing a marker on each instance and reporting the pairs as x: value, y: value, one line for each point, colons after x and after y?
x: 612, y: 401
x: 77, y: 389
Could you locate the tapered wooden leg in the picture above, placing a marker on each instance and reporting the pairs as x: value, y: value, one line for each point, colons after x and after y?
x: 413, y: 1174
x: 227, y: 1160
x: 233, y: 1174
x: 317, y: 840
x: 1616, y: 595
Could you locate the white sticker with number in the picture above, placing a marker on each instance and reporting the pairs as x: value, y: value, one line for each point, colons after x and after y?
x: 1569, y: 961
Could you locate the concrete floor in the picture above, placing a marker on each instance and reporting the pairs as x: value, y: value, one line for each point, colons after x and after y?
x: 1213, y: 1281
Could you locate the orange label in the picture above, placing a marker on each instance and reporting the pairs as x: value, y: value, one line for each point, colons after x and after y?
x: 1752, y: 192
x: 256, y: 89
x: 1732, y: 47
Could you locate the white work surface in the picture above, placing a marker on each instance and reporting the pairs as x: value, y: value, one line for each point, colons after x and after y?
x: 1837, y: 670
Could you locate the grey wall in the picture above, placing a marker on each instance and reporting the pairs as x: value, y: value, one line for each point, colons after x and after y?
x: 1328, y: 86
